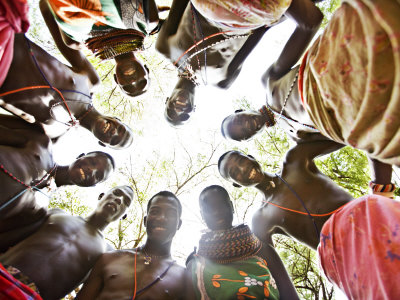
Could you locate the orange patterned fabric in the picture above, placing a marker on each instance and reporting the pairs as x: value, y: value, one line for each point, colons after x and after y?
x: 351, y: 78
x: 79, y: 11
x: 359, y: 249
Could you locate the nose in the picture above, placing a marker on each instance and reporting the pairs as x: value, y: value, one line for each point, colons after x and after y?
x: 118, y: 201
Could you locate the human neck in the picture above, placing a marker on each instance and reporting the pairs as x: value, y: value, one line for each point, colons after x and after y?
x: 97, y: 222
x: 267, y: 183
x: 185, y: 84
x: 62, y: 176
x: 89, y: 120
x: 120, y: 58
x: 157, y: 249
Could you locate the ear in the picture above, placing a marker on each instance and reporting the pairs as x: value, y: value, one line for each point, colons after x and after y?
x: 101, y: 196
x: 145, y: 221
x: 180, y: 224
x: 124, y: 217
x: 102, y: 144
x: 236, y: 185
x: 238, y: 111
x: 231, y: 204
x: 115, y: 78
x: 80, y: 155
x: 249, y: 155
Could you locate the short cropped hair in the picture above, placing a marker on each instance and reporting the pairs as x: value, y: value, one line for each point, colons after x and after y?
x: 223, y: 156
x: 169, y: 195
x: 215, y: 187
x: 104, y: 154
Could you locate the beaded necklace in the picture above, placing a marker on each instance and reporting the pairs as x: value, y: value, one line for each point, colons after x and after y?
x: 116, y: 42
x: 267, y: 110
x: 148, y: 258
x: 47, y: 176
x: 185, y: 69
x: 224, y: 246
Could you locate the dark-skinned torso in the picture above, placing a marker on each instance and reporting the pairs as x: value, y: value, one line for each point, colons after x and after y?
x: 118, y: 277
x: 218, y: 57
x: 25, y: 151
x: 37, y: 103
x: 318, y: 192
x: 59, y: 255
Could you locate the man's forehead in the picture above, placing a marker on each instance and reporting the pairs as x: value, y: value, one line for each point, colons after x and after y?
x: 212, y: 196
x: 164, y: 201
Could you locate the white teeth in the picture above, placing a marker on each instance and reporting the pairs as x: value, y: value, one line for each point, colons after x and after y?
x: 107, y: 128
x: 82, y: 173
x: 159, y: 228
x: 252, y: 174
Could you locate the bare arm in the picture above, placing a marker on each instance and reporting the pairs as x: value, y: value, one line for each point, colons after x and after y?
x: 91, y: 289
x: 278, y: 271
x: 308, y: 18
x: 76, y: 58
x: 306, y: 152
x: 171, y: 25
x: 381, y: 173
x: 189, y: 289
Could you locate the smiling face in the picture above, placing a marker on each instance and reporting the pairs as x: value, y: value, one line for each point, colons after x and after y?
x: 179, y: 106
x: 163, y: 219
x: 90, y: 169
x: 216, y: 209
x: 240, y: 169
x: 131, y: 75
x: 114, y: 203
x: 242, y: 125
x: 112, y: 132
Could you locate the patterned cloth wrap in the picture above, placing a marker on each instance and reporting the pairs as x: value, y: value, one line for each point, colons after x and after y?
x: 82, y: 19
x: 359, y: 249
x: 349, y: 81
x: 13, y: 19
x: 242, y: 13
x: 226, y: 267
x: 11, y: 288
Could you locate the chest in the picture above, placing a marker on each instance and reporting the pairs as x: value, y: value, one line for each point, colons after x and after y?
x: 121, y: 277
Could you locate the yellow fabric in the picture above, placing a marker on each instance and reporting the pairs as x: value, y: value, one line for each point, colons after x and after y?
x: 243, y: 13
x: 351, y: 80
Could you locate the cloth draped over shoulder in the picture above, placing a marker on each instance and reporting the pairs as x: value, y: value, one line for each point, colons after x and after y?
x: 359, y: 250
x: 12, y: 289
x: 350, y: 78
x: 13, y: 19
x: 81, y: 19
x: 242, y: 13
x: 248, y: 278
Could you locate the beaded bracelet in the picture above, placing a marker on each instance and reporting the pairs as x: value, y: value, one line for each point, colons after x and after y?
x: 264, y: 110
x: 386, y: 190
x: 376, y: 187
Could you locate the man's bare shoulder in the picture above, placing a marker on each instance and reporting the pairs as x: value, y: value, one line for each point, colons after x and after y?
x: 116, y: 255
x: 178, y: 269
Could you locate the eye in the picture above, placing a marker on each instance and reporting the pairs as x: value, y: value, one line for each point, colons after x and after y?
x: 117, y: 192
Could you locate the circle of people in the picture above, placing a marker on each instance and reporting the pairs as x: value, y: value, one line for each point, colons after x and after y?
x: 341, y: 89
